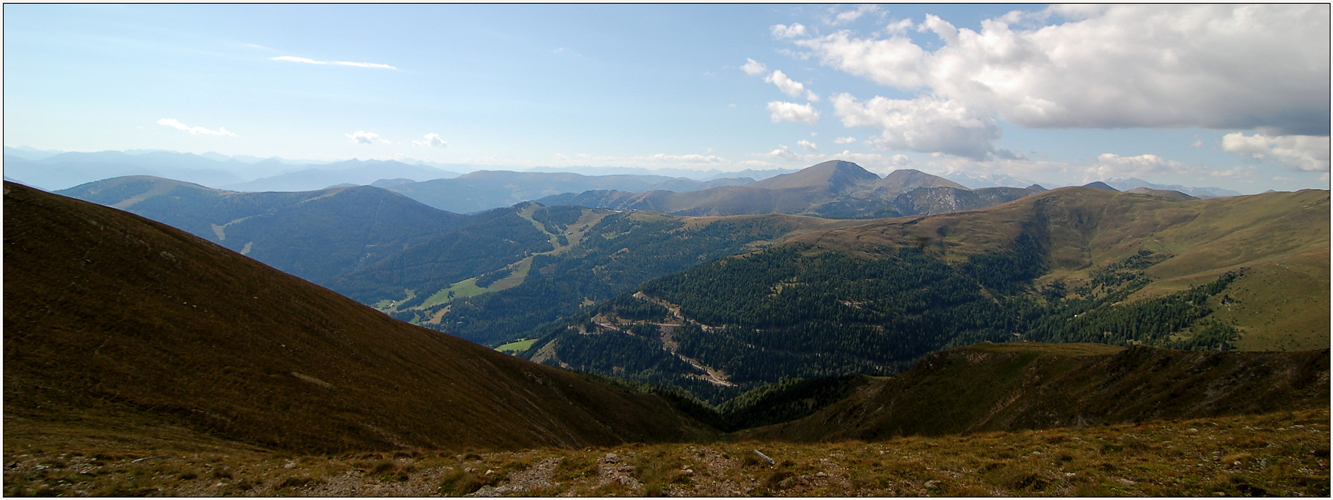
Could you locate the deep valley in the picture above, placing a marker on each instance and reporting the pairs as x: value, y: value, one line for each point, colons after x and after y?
x: 1077, y: 341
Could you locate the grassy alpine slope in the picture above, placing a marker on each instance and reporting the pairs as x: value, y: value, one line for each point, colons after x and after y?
x: 1071, y: 265
x: 117, y: 327
x: 1017, y: 386
x: 1282, y: 454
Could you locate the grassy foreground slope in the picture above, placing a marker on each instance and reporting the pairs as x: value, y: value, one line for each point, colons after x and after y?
x: 1281, y: 454
x: 117, y: 327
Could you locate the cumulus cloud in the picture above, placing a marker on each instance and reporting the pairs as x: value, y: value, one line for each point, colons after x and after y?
x: 753, y: 67
x: 786, y: 85
x: 1213, y: 66
x: 924, y: 124
x: 1302, y: 152
x: 844, y: 140
x: 807, y: 145
x: 335, y: 63
x: 173, y: 123
x: 432, y: 140
x: 784, y: 31
x: 363, y: 137
x: 782, y: 152
x: 792, y: 112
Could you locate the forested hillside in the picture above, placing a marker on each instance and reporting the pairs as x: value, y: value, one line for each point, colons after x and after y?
x: 514, y: 269
x: 1074, y: 265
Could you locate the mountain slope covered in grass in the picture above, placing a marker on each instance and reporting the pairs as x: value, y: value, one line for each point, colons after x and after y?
x: 1015, y: 386
x: 119, y: 326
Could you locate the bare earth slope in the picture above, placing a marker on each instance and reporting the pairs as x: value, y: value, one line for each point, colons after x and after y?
x: 115, y: 325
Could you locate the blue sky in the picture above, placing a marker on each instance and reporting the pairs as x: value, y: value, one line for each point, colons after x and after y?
x: 1230, y: 96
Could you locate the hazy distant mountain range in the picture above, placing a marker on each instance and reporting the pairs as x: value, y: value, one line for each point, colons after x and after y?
x: 835, y: 189
x: 487, y: 189
x: 55, y: 170
x: 65, y: 170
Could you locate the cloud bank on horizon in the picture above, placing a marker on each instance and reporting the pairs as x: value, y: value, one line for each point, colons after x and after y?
x: 1229, y: 95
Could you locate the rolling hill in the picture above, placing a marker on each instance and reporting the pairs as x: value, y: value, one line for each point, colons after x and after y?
x: 316, y: 235
x: 361, y: 173
x: 486, y: 189
x: 833, y: 189
x: 1017, y: 386
x: 1070, y: 265
x: 120, y: 329
x: 63, y: 170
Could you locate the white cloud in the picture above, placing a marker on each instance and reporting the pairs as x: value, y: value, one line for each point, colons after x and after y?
x: 900, y: 27
x: 924, y: 125
x: 432, y: 140
x: 807, y: 145
x: 811, y: 96
x: 800, y: 56
x: 786, y: 85
x: 173, y: 123
x: 336, y: 63
x: 753, y: 67
x: 782, y: 152
x: 844, y: 140
x: 1110, y: 166
x: 784, y: 31
x: 1303, y: 152
x: 363, y: 65
x: 363, y: 137
x: 792, y: 112
x: 297, y: 59
x: 852, y: 15
x: 1213, y: 66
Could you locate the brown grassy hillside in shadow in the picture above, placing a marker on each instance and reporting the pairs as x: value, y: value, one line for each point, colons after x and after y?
x: 1015, y: 386
x: 114, y: 322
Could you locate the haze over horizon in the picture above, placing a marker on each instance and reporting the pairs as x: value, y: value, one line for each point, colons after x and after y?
x: 1232, y: 96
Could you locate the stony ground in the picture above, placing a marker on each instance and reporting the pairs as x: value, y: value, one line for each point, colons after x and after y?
x: 1283, y: 454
